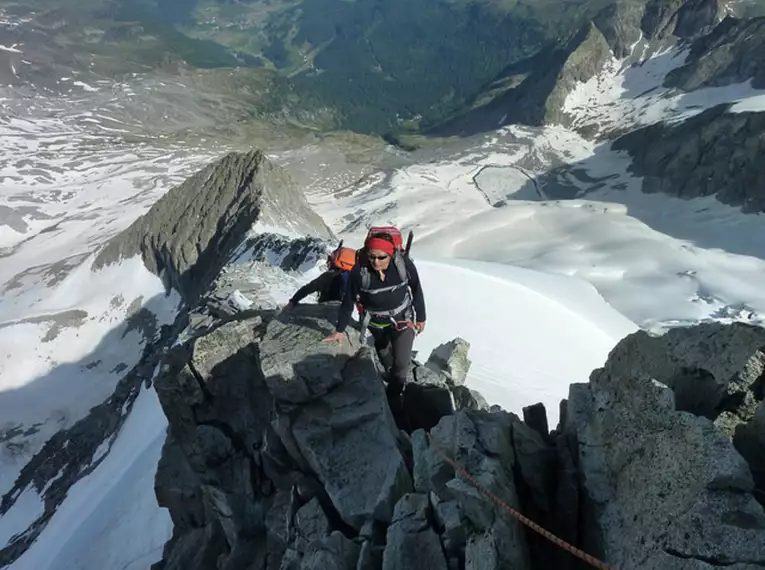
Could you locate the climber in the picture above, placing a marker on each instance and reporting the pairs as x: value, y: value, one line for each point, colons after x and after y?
x: 332, y: 283
x: 387, y: 288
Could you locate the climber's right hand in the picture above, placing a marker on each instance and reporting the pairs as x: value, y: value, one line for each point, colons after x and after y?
x: 334, y: 337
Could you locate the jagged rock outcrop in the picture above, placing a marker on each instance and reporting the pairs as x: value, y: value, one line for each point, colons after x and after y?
x: 533, y: 92
x: 189, y: 233
x: 733, y: 53
x: 282, y: 453
x: 749, y: 440
x: 686, y: 19
x: 620, y: 23
x: 713, y: 153
x: 539, y: 99
x: 715, y: 371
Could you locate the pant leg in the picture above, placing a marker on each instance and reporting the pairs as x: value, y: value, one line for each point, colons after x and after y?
x: 383, y: 346
x: 402, y: 343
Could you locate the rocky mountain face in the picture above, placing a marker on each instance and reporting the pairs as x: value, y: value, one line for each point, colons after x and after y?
x: 282, y: 453
x: 733, y: 53
x: 686, y: 19
x: 189, y: 234
x: 539, y: 99
x: 540, y: 86
x: 714, y: 153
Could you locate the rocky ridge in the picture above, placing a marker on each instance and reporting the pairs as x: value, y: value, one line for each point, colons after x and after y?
x: 282, y: 453
x: 539, y: 86
x: 189, y: 234
x: 733, y: 52
x: 716, y: 153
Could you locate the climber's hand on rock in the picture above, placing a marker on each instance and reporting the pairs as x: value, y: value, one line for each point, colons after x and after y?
x: 334, y: 337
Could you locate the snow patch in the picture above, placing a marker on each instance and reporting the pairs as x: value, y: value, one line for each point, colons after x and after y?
x: 110, y: 519
x: 629, y: 95
x: 754, y: 104
x: 27, y: 508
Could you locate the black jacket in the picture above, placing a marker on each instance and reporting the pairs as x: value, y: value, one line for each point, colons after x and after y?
x: 382, y: 301
x: 329, y: 284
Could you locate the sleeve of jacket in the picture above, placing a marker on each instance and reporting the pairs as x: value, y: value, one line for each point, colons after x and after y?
x: 349, y: 299
x: 322, y: 281
x: 418, y: 298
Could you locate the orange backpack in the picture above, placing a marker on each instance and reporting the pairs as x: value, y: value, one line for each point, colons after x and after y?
x: 343, y: 258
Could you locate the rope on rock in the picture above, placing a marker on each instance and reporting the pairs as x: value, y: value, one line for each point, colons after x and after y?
x: 531, y: 524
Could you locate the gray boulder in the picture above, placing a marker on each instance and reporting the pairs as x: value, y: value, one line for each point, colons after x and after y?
x: 451, y: 359
x: 714, y: 369
x: 749, y: 440
x: 334, y: 551
x: 411, y: 543
x: 662, y: 488
x: 482, y: 443
x: 349, y: 440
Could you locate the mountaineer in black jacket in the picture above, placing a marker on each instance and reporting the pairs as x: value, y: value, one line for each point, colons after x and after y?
x: 332, y: 283
x: 386, y: 285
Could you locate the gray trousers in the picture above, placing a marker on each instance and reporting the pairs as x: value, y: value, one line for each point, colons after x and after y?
x: 394, y: 349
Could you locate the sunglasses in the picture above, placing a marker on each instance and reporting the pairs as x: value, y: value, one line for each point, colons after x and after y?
x: 378, y: 257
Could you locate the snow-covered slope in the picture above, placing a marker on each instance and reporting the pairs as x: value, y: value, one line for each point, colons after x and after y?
x: 628, y: 93
x: 658, y: 260
x: 68, y: 182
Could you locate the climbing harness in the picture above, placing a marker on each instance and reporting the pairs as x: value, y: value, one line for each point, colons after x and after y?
x: 499, y: 502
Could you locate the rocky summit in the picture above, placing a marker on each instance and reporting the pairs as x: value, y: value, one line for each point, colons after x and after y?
x: 282, y: 453
x: 189, y: 234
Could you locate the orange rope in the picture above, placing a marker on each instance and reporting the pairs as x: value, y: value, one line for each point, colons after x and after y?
x: 548, y: 535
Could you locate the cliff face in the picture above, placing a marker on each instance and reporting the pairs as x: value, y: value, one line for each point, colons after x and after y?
x: 189, y: 233
x: 714, y: 153
x: 686, y: 19
x: 282, y: 453
x: 540, y: 85
x: 733, y: 53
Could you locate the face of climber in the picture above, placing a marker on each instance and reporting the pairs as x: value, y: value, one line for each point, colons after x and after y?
x: 379, y: 259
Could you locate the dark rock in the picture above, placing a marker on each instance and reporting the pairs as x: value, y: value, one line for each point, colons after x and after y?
x: 685, y: 19
x: 536, y: 418
x: 714, y: 153
x: 468, y: 399
x: 620, y: 24
x: 334, y: 551
x: 733, y: 53
x: 424, y: 406
x: 713, y: 369
x: 412, y: 544
x: 349, y: 439
x: 749, y: 440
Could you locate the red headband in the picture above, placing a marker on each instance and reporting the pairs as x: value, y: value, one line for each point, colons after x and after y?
x: 381, y: 244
